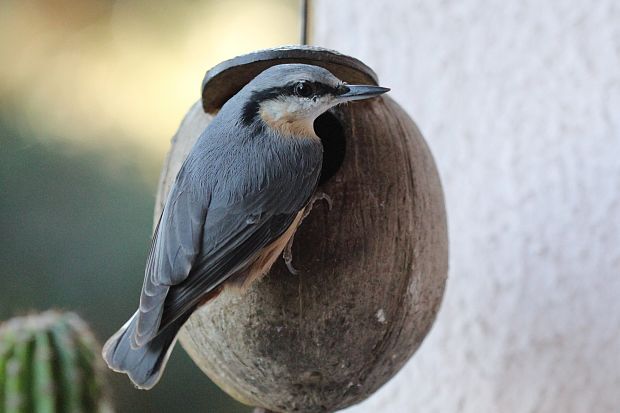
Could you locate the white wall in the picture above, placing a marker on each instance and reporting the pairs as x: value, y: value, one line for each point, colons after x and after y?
x: 520, y: 103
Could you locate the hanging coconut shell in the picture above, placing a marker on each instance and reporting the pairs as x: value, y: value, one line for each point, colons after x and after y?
x: 372, y: 269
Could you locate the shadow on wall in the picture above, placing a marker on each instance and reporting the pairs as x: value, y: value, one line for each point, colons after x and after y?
x: 75, y: 236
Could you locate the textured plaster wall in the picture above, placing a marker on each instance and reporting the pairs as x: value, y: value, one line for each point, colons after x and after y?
x: 520, y: 103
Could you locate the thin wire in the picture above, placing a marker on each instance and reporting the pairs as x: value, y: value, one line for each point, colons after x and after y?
x: 304, y: 21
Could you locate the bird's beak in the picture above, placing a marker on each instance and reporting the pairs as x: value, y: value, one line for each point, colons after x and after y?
x: 358, y: 92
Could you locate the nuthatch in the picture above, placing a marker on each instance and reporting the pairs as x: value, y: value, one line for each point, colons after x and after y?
x: 235, y: 204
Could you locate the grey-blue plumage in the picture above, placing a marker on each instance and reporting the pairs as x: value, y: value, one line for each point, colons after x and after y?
x: 244, y: 184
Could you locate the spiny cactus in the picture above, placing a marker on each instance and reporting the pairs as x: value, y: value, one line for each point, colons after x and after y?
x: 49, y: 364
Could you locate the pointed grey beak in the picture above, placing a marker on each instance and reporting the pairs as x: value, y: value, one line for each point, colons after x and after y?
x: 358, y: 92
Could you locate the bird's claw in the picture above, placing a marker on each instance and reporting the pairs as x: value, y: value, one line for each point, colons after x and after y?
x: 287, y: 254
x: 317, y: 197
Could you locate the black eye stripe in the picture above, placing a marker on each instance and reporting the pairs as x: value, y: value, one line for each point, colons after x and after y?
x: 320, y: 89
x: 250, y: 109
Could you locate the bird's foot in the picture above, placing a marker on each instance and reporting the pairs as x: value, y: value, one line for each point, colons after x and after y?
x: 287, y: 254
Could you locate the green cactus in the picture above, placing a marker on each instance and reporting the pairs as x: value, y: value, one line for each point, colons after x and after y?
x: 49, y: 364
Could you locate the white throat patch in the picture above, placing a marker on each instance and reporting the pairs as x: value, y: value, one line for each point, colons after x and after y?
x: 292, y: 116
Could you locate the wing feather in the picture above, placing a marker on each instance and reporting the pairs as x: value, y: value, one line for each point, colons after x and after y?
x: 175, y: 246
x: 205, y: 236
x: 236, y: 254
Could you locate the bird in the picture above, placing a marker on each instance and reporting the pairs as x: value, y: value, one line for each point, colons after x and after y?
x: 234, y: 206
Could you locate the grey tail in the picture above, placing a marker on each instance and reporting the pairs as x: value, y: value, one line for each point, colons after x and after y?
x: 144, y: 365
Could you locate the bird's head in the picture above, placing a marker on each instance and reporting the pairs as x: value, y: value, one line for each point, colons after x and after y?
x: 289, y: 97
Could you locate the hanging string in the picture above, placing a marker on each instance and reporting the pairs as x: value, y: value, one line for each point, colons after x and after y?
x: 304, y: 21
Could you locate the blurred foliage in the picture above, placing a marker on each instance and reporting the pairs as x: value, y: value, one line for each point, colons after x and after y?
x: 128, y: 69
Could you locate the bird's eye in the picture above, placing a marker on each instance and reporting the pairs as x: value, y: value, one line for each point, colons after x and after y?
x: 304, y: 89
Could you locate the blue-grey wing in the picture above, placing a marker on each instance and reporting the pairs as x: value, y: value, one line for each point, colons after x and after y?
x: 175, y: 246
x: 239, y: 244
x: 202, y: 240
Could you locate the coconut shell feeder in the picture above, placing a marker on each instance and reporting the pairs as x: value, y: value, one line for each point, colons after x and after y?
x: 372, y: 269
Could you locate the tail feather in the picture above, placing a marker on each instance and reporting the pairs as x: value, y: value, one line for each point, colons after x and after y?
x: 145, y: 364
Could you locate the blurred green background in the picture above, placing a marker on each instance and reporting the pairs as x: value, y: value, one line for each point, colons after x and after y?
x: 90, y: 94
